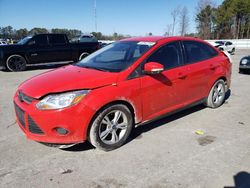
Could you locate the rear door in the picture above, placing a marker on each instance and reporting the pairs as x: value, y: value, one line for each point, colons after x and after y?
x: 60, y: 48
x: 201, y: 64
x: 38, y: 49
x: 163, y: 92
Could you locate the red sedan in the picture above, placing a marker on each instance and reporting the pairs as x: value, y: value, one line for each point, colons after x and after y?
x: 122, y: 85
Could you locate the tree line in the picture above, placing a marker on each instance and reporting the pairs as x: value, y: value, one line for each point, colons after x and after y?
x: 231, y: 19
x: 9, y: 33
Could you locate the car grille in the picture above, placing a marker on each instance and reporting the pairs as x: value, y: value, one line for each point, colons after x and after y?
x: 24, y: 98
x: 20, y: 115
x: 33, y: 127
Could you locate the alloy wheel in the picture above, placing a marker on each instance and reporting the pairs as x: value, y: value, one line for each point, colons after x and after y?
x: 113, y: 127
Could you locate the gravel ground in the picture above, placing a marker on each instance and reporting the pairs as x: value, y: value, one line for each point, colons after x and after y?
x: 165, y: 153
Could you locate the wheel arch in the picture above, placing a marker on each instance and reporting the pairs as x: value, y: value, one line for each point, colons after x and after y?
x: 123, y: 102
x: 81, y: 54
x: 6, y: 57
x: 18, y: 53
x: 215, y: 80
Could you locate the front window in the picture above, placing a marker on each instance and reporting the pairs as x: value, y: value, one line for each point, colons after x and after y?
x: 24, y: 40
x: 116, y: 57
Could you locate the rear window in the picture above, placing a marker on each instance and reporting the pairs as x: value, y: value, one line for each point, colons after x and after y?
x: 197, y: 51
x: 57, y: 39
x: 88, y: 39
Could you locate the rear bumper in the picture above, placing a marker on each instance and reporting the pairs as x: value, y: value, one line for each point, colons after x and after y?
x: 41, y: 126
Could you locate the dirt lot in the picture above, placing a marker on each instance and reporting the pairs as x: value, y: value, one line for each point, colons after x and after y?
x: 165, y: 153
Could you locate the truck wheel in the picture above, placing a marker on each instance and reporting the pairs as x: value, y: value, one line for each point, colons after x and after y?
x: 216, y: 95
x: 15, y: 63
x: 83, y: 55
x: 111, y: 127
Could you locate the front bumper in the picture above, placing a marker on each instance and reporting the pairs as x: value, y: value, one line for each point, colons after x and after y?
x: 247, y: 67
x: 41, y: 125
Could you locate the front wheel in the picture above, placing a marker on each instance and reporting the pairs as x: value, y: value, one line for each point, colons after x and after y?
x: 216, y: 95
x: 111, y: 127
x: 16, y: 63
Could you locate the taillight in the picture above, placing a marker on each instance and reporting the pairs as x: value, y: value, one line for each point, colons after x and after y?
x: 227, y: 55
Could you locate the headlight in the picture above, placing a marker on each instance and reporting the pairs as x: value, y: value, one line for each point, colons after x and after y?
x: 244, y: 61
x: 58, y: 101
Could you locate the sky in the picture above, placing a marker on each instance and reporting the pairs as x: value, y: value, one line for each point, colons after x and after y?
x: 128, y: 17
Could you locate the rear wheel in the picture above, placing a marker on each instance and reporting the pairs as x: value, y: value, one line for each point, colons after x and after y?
x: 83, y: 55
x: 16, y: 63
x: 216, y: 95
x: 111, y: 127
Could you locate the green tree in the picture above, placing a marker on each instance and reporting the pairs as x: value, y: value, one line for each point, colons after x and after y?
x: 21, y: 33
x: 7, y: 32
x: 38, y: 30
x: 205, y: 20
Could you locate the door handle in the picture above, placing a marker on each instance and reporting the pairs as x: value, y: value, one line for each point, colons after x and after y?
x: 181, y: 75
x: 34, y: 54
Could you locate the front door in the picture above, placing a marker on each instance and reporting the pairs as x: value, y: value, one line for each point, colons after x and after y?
x: 164, y: 92
x: 38, y: 49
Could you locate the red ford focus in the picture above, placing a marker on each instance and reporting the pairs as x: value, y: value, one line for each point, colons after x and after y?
x: 122, y: 85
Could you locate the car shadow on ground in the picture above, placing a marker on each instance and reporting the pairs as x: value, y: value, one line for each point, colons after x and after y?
x: 245, y: 72
x: 138, y: 132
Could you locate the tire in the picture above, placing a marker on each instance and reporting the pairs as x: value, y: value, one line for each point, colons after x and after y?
x: 244, y: 71
x: 16, y: 63
x: 216, y: 95
x: 111, y: 127
x: 83, y: 55
x: 233, y: 51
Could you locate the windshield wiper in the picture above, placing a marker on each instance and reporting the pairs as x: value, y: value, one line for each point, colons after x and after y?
x: 96, y: 68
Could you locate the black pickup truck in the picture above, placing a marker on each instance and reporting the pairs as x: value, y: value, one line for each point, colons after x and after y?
x: 43, y: 48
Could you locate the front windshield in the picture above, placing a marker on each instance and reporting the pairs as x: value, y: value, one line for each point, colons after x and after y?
x: 116, y: 57
x: 219, y: 42
x: 24, y: 40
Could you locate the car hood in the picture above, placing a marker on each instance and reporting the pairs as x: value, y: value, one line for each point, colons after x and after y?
x: 11, y: 46
x: 67, y: 78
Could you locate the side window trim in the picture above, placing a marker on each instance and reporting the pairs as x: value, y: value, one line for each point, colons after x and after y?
x: 181, y: 62
x: 186, y: 54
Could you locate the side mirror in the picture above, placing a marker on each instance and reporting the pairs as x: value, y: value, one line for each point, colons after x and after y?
x: 153, y: 68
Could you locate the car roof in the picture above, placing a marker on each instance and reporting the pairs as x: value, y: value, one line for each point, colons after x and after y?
x: 145, y: 39
x: 160, y: 38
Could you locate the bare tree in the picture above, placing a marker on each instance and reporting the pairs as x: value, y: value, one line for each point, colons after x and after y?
x: 184, y: 21
x: 168, y: 30
x: 175, y: 14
